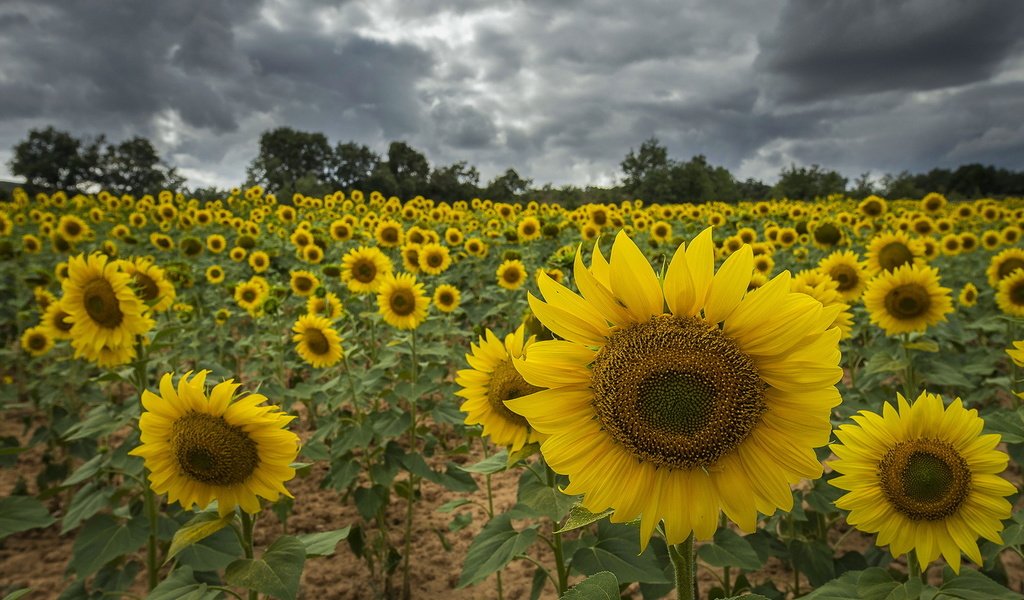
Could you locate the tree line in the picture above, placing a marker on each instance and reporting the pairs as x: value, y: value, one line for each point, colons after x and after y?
x: 289, y: 161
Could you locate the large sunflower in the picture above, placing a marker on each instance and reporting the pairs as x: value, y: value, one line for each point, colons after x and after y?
x: 1010, y: 294
x: 490, y: 381
x: 907, y: 299
x: 101, y: 305
x: 201, y: 448
x: 715, y: 404
x: 1003, y: 264
x: 889, y: 251
x: 402, y: 302
x: 151, y: 283
x: 364, y: 268
x: 923, y: 478
x: 316, y: 341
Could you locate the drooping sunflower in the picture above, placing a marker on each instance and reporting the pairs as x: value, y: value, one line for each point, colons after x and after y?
x: 402, y: 301
x: 846, y: 269
x: 434, y: 259
x: 36, y: 341
x: 199, y: 448
x: 447, y: 298
x: 1003, y: 264
x: 511, y: 274
x: 907, y: 299
x: 716, y: 404
x: 102, y: 306
x: 316, y: 341
x: 889, y: 251
x: 923, y: 478
x: 968, y: 295
x: 328, y: 306
x: 490, y: 381
x: 304, y: 283
x: 1010, y: 294
x: 152, y: 285
x: 364, y: 268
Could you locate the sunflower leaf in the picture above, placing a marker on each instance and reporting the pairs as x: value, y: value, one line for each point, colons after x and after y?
x: 581, y: 517
x: 276, y: 573
x: 497, y: 544
x: 599, y: 586
x: 182, y: 585
x: 197, y: 529
x: 972, y: 585
x: 494, y: 463
x: 18, y: 513
x: 323, y: 543
x: 729, y: 550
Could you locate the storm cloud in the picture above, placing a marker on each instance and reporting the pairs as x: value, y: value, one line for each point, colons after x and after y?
x: 558, y: 90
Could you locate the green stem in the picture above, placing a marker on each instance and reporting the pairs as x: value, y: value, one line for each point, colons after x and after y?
x: 563, y: 573
x: 351, y: 386
x: 490, y: 513
x: 413, y: 402
x: 248, y: 525
x: 914, y: 566
x: 683, y: 564
x: 909, y: 375
x: 152, y: 566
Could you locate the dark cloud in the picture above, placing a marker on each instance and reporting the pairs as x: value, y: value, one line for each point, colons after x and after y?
x: 835, y: 48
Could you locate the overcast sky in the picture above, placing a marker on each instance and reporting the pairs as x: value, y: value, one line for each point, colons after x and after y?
x: 558, y: 89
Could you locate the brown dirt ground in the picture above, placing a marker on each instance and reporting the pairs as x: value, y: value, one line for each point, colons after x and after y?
x: 38, y: 558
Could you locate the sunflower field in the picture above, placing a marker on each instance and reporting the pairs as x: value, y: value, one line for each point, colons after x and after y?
x: 356, y: 396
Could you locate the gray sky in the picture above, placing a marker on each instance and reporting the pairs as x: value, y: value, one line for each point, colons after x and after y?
x: 558, y: 89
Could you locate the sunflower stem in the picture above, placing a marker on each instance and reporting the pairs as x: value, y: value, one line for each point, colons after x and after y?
x: 490, y: 512
x: 683, y: 564
x: 563, y: 573
x: 248, y: 525
x: 914, y: 566
x: 413, y: 402
x: 152, y: 566
x: 909, y: 375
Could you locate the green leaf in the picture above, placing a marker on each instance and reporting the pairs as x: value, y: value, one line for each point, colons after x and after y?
x: 972, y: 585
x: 747, y: 597
x: 494, y: 463
x: 814, y: 560
x: 618, y: 550
x: 451, y: 505
x: 87, y: 470
x: 493, y: 548
x: 104, y: 538
x: 581, y: 517
x: 542, y: 498
x: 213, y: 553
x: 276, y: 573
x: 922, y: 345
x: 870, y: 584
x: 182, y: 585
x: 197, y: 529
x: 599, y: 586
x: 87, y: 502
x: 323, y: 543
x: 17, y: 594
x: 884, y: 363
x: 523, y: 453
x: 728, y: 549
x: 20, y: 513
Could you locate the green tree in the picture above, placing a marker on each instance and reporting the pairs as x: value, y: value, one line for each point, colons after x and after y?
x: 134, y: 167
x: 863, y: 186
x: 352, y: 166
x: 507, y: 187
x: 55, y: 159
x: 409, y: 168
x: 458, y: 181
x: 647, y: 172
x: 808, y: 183
x: 288, y: 156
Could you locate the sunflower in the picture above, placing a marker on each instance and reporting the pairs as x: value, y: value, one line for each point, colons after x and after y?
x: 933, y: 203
x: 447, y: 298
x: 151, y: 283
x: 73, y: 229
x: 304, y: 283
x: 221, y: 316
x: 1003, y: 264
x: 846, y: 269
x: 923, y: 478
x: 434, y: 259
x: 824, y: 289
x: 31, y: 244
x: 528, y: 229
x: 316, y: 341
x: 340, y: 230
x: 511, y: 274
x: 715, y: 405
x: 476, y: 247
x: 36, y: 340
x: 161, y: 241
x: 661, y: 231
x: 199, y: 448
x: 237, y: 253
x: 1010, y: 294
x: 950, y: 244
x: 968, y: 295
x: 1017, y: 353
x: 328, y: 306
x: 907, y: 299
x: 364, y: 268
x: 402, y: 301
x: 313, y: 254
x: 764, y: 264
x: 888, y: 251
x: 214, y: 274
x: 453, y: 236
x: 54, y: 323
x: 259, y: 261
x: 250, y: 296
x: 490, y: 381
x: 102, y: 306
x: 216, y: 243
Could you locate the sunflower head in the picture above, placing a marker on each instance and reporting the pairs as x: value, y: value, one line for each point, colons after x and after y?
x: 36, y: 341
x: 1010, y: 294
x: 447, y: 298
x: 1004, y: 264
x: 402, y: 301
x: 889, y: 251
x: 907, y: 299
x: 202, y: 447
x: 364, y: 268
x: 511, y: 274
x: 316, y: 341
x: 923, y: 478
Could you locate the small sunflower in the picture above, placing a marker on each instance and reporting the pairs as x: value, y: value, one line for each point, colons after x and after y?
x: 259, y: 261
x: 340, y: 230
x: 873, y: 206
x: 447, y: 298
x: 476, y: 247
x: 364, y: 268
x: 312, y: 254
x: 237, y: 253
x: 1003, y: 264
x: 316, y: 341
x: 715, y: 405
x: 491, y: 380
x: 434, y: 259
x: 968, y: 295
x: 889, y: 251
x: 511, y: 274
x: 54, y: 322
x: 1010, y: 294
x: 907, y: 299
x: 846, y: 269
x: 73, y: 229
x: 933, y: 203
x: 923, y: 478
x: 102, y: 306
x: 250, y: 296
x: 411, y: 257
x: 304, y: 283
x: 388, y: 234
x: 528, y: 229
x: 199, y: 448
x: 402, y: 302
x: 151, y: 283
x: 36, y: 341
x: 214, y: 274
x: 661, y: 231
x: 328, y: 306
